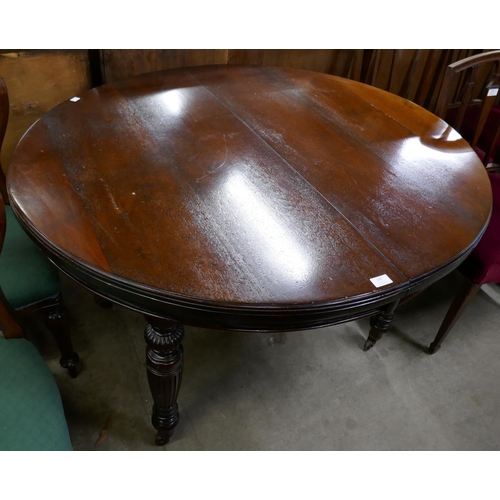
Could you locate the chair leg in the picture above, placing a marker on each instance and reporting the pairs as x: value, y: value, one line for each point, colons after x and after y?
x: 462, y: 299
x: 56, y: 321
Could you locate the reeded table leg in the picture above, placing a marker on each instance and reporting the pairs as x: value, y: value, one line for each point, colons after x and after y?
x: 164, y: 360
x: 380, y: 323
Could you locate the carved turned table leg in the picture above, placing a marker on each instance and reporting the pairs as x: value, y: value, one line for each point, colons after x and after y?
x: 164, y: 360
x: 380, y: 323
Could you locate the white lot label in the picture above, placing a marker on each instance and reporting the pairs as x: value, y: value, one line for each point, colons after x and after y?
x: 74, y: 99
x: 492, y: 92
x: 381, y: 280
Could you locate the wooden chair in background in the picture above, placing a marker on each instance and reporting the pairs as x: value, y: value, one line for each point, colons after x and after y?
x: 28, y: 279
x: 472, y: 108
x: 473, y: 113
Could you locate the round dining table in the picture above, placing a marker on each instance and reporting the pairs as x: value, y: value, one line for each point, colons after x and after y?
x: 246, y: 198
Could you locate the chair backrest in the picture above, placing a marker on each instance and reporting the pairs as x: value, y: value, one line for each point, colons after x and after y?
x: 459, y: 93
x: 9, y: 325
x: 4, y: 118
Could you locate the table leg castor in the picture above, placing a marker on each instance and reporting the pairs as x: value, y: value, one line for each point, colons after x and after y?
x: 162, y: 438
x: 380, y: 324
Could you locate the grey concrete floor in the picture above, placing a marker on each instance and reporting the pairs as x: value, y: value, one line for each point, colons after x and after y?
x: 310, y: 390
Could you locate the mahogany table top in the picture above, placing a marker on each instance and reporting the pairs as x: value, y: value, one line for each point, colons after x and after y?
x: 215, y: 193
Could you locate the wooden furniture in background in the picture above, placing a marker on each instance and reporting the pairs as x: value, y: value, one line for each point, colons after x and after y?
x: 27, y: 278
x: 483, y: 264
x: 467, y: 102
x: 247, y: 198
x: 119, y: 64
x: 414, y: 74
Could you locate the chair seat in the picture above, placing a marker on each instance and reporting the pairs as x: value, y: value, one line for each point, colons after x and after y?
x: 483, y: 264
x: 31, y: 411
x: 469, y: 126
x: 26, y: 276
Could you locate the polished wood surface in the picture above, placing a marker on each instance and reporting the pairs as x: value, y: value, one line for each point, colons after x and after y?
x: 248, y: 198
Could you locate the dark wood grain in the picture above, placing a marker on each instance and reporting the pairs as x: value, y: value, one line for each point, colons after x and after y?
x: 400, y: 154
x: 248, y: 198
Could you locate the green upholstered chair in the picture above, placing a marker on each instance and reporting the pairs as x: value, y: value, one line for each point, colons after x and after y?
x: 28, y: 279
x: 31, y: 411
